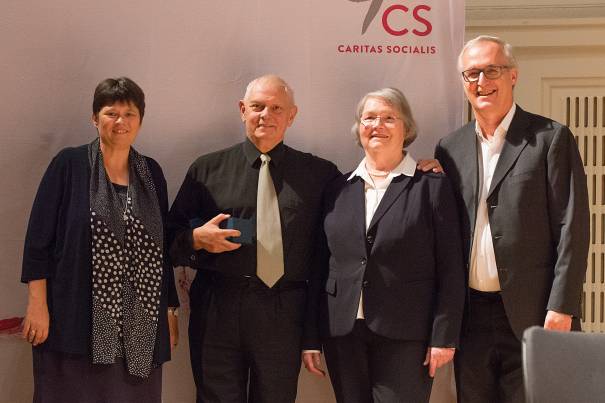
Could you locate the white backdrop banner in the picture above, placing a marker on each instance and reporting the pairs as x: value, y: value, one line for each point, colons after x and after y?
x: 357, y: 46
x: 193, y: 59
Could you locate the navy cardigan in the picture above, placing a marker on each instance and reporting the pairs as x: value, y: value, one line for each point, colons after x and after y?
x: 58, y: 249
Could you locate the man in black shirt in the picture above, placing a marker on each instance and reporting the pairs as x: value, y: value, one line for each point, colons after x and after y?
x: 246, y: 336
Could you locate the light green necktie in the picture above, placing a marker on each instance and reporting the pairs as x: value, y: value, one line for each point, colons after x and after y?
x: 269, y: 246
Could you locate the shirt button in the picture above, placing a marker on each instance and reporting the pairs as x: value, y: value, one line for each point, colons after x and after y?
x: 192, y: 257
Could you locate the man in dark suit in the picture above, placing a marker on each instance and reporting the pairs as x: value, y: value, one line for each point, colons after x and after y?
x: 247, y: 326
x: 521, y: 192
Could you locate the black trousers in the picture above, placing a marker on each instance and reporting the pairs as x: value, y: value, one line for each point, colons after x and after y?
x: 199, y: 295
x: 250, y: 341
x: 488, y: 365
x: 365, y: 367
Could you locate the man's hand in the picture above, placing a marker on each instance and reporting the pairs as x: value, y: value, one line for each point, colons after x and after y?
x: 557, y: 321
x: 430, y: 165
x: 436, y: 357
x: 312, y: 362
x: 214, y: 239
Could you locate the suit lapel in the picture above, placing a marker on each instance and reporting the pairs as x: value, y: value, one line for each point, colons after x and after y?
x: 397, y: 186
x: 514, y: 142
x: 469, y: 171
x: 355, y: 190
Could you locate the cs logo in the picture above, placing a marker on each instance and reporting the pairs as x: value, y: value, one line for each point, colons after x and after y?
x: 398, y: 11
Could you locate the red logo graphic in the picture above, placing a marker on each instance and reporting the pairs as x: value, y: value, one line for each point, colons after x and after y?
x: 396, y: 19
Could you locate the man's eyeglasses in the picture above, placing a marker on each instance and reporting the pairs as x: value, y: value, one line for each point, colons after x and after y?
x: 490, y: 72
x: 389, y: 121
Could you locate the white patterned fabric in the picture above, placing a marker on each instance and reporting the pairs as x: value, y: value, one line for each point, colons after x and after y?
x: 127, y: 250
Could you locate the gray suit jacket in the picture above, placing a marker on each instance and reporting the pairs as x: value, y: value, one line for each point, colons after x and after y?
x: 538, y: 214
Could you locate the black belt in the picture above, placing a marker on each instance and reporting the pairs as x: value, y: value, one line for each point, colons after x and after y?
x: 485, y: 295
x: 234, y: 281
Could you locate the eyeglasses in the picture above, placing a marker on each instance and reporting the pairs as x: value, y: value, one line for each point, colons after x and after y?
x: 490, y: 72
x: 388, y: 121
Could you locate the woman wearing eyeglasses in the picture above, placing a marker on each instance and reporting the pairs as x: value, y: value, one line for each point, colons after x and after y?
x: 393, y: 283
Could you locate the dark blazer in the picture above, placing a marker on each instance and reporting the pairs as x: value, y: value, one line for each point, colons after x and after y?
x: 409, y: 263
x: 58, y: 249
x: 538, y: 214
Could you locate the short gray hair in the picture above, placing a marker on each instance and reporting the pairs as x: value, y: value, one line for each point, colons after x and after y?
x: 505, y: 47
x: 397, y: 100
x: 271, y: 78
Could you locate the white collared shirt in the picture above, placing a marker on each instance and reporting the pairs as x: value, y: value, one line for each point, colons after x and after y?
x: 483, y: 274
x: 374, y: 193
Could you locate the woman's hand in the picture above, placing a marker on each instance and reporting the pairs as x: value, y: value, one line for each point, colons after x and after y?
x: 436, y: 357
x: 37, y: 318
x: 173, y: 327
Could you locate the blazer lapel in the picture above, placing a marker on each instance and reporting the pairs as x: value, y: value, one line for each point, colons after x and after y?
x: 355, y: 193
x: 470, y: 172
x: 514, y: 142
x: 397, y: 186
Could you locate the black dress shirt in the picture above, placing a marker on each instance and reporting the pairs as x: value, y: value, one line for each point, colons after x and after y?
x: 226, y: 182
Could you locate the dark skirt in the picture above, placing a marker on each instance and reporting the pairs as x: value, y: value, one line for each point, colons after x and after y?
x: 62, y: 377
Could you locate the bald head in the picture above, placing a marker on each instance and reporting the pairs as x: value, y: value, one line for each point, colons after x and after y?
x: 271, y: 80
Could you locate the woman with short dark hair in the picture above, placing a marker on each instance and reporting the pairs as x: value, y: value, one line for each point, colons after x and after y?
x: 101, y: 310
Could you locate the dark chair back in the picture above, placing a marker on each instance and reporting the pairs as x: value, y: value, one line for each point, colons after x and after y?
x: 563, y: 367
